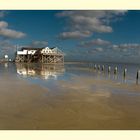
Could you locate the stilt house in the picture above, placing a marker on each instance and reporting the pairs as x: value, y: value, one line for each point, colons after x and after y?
x: 43, y: 55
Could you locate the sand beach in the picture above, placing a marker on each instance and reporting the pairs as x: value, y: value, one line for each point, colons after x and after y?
x: 80, y: 103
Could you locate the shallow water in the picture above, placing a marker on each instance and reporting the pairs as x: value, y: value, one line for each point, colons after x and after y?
x: 50, y: 73
x: 73, y: 96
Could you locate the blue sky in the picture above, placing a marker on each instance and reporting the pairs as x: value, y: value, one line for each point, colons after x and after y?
x: 82, y: 35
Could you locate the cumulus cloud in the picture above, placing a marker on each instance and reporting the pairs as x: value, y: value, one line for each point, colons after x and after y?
x: 109, y: 46
x: 95, y: 50
x: 3, y: 24
x: 38, y: 44
x: 89, y: 21
x: 124, y: 50
x: 9, y: 33
x: 94, y: 42
x: 99, y: 49
x: 127, y: 47
x: 34, y: 44
x: 74, y: 35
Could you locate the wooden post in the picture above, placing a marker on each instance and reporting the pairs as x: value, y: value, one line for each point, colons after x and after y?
x: 103, y: 67
x: 137, y: 77
x: 109, y: 69
x: 95, y: 67
x: 124, y: 73
x: 98, y: 67
x: 115, y: 70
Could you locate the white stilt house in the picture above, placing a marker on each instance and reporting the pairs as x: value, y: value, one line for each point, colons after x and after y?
x: 44, y: 55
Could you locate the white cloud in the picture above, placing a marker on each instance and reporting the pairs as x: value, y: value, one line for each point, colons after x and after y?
x: 74, y: 35
x: 126, y: 46
x: 39, y: 44
x: 91, y: 21
x: 99, y: 49
x: 7, y: 47
x: 126, y: 50
x: 9, y: 33
x: 3, y: 24
x: 94, y: 42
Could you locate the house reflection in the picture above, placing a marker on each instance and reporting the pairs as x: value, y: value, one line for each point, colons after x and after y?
x: 40, y: 70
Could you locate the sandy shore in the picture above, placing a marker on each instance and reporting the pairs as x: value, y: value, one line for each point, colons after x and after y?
x: 81, y: 103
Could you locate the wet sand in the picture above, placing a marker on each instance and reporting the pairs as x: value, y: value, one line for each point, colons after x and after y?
x: 81, y: 103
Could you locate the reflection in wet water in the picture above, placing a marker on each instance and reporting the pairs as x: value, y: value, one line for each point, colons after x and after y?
x: 40, y: 70
x: 74, y: 97
x: 6, y: 65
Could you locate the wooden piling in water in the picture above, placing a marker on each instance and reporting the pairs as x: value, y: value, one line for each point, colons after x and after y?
x: 115, y: 70
x: 124, y: 72
x: 95, y: 67
x: 109, y: 69
x: 98, y: 67
x: 103, y: 67
x: 137, y: 77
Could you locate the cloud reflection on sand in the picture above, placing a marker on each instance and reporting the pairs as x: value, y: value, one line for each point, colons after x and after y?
x: 77, y: 100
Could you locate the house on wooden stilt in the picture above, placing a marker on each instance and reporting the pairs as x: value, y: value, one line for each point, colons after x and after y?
x: 42, y: 55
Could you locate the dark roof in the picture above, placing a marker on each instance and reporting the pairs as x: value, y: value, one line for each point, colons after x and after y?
x: 52, y: 48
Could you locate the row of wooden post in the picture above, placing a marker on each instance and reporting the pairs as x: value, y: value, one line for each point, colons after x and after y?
x: 102, y: 68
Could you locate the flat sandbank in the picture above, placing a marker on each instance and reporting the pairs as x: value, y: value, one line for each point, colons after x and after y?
x: 81, y: 103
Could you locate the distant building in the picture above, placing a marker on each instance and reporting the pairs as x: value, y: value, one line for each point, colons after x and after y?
x: 43, y: 55
x: 4, y: 59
